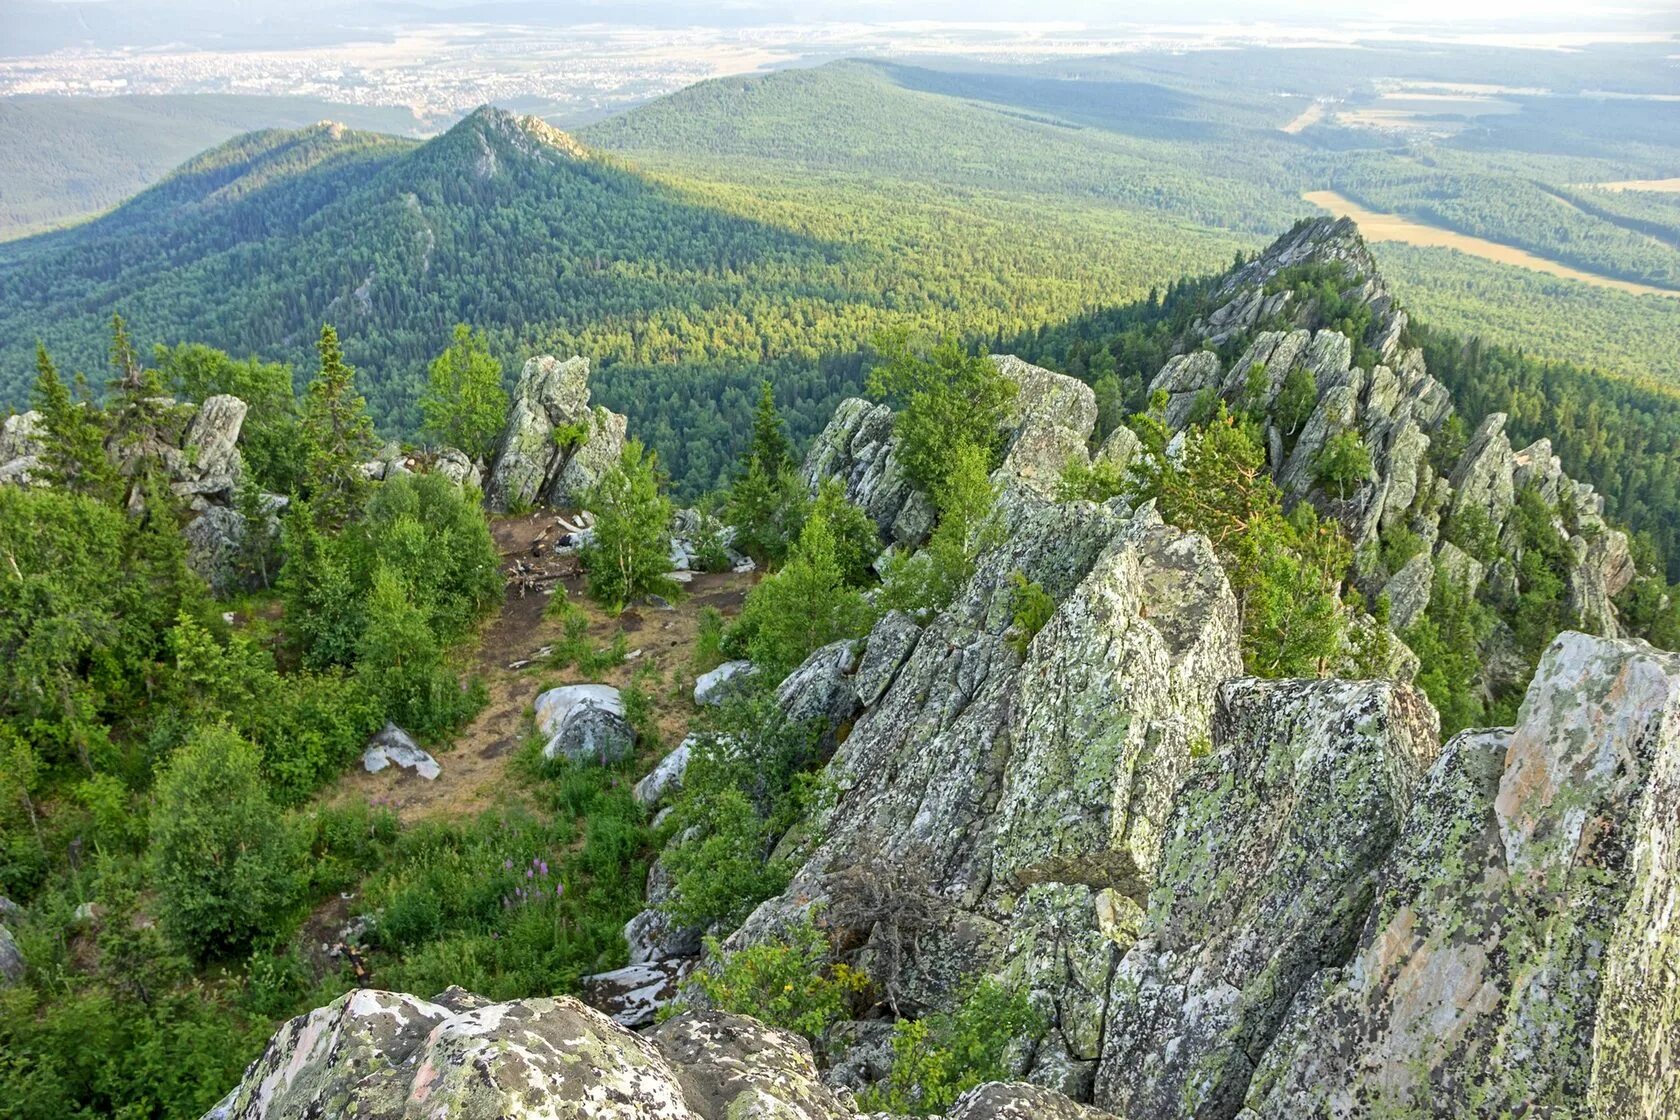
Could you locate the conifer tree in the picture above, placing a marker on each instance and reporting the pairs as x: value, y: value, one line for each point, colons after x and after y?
x: 770, y: 449
x: 339, y: 435
x: 73, y: 440
x: 137, y: 407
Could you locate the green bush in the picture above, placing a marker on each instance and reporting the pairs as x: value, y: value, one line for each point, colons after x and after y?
x: 1343, y: 463
x: 225, y: 865
x: 803, y: 607
x: 748, y: 781
x: 937, y: 1059
x: 1030, y: 608
x: 943, y: 401
x: 789, y: 984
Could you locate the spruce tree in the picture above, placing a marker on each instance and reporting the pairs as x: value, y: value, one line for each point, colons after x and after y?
x: 137, y: 407
x: 770, y: 450
x: 72, y: 438
x: 339, y: 436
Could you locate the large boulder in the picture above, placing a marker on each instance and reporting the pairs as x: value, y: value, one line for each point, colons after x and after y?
x: 1521, y: 948
x: 386, y: 1056
x: 859, y: 449
x: 713, y: 687
x: 585, y: 723
x: 20, y: 436
x: 732, y: 1068
x: 208, y: 464
x: 555, y: 446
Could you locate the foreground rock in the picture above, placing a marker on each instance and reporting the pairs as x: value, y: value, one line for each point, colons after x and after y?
x: 386, y: 1056
x: 585, y: 723
x: 555, y: 446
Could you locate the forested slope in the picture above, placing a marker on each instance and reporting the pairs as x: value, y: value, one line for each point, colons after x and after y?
x: 79, y: 156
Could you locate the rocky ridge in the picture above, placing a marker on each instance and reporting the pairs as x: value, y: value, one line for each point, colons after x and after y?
x: 1228, y: 897
x: 1399, y: 412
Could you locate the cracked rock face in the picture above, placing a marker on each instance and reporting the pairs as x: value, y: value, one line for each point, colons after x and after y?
x: 1270, y: 860
x: 1022, y: 800
x: 531, y: 465
x: 1522, y: 947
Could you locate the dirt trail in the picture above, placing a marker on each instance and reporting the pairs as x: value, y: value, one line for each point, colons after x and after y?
x: 474, y: 773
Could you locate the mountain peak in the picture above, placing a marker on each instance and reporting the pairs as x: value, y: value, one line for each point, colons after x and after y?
x: 488, y: 121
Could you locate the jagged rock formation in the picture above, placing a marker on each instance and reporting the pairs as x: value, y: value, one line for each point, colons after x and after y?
x: 1522, y: 946
x: 1399, y: 412
x: 1051, y: 421
x: 555, y: 446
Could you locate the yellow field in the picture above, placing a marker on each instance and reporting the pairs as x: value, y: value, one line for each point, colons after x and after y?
x: 1393, y: 227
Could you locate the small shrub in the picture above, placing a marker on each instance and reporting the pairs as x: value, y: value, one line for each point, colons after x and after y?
x: 1030, y: 607
x: 1343, y: 463
x: 787, y: 984
x: 937, y: 1059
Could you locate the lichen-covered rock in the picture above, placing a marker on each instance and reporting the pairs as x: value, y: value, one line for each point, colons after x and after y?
x: 666, y: 778
x: 1271, y: 855
x: 633, y: 995
x: 20, y: 436
x: 1484, y: 478
x: 734, y: 1068
x: 858, y: 448
x: 533, y: 463
x: 1408, y: 591
x: 1521, y: 951
x: 455, y: 465
x: 1014, y: 1100
x: 717, y: 685
x: 585, y: 723
x: 351, y: 1057
x: 889, y: 644
x: 820, y: 691
x: 208, y: 464
x: 1013, y: 804
x: 12, y: 964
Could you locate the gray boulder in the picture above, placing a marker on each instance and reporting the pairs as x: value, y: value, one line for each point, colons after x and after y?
x: 208, y: 464
x: 1409, y: 590
x: 821, y: 690
x: 392, y: 746
x: 734, y: 1068
x: 585, y: 723
x: 666, y: 778
x: 714, y: 687
x: 1015, y: 1100
x: 457, y: 467
x: 12, y: 964
x: 20, y: 436
x: 531, y: 465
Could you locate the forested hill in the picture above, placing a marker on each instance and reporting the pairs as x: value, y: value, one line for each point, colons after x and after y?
x: 502, y: 221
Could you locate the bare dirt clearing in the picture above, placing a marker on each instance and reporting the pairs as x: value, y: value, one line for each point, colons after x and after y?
x: 475, y: 766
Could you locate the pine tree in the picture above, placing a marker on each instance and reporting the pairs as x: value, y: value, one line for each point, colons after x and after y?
x: 464, y: 404
x: 137, y: 407
x: 339, y: 435
x: 770, y: 450
x: 73, y: 437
